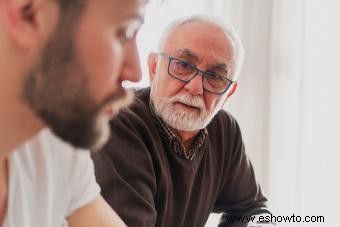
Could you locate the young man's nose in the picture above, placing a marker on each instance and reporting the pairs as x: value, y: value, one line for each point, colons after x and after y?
x: 131, y: 70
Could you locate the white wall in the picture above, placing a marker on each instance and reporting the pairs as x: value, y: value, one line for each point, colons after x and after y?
x: 304, y: 110
x: 320, y: 123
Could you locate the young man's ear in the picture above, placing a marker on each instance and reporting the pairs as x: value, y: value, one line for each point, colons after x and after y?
x: 152, y: 65
x: 29, y: 22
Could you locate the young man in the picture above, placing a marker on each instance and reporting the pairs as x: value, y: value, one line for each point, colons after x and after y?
x: 62, y: 63
x: 174, y: 155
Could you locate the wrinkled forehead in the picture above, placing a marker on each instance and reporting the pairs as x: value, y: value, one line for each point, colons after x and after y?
x: 204, y: 39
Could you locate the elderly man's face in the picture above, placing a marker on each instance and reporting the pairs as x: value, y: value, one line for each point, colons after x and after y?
x: 76, y: 88
x: 187, y: 106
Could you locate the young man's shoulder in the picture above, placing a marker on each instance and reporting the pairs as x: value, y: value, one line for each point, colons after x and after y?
x: 57, y: 177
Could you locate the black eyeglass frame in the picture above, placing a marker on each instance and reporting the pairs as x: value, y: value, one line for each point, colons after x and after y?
x: 198, y: 71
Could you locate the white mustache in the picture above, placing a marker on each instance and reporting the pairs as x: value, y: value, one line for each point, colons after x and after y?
x: 189, y: 100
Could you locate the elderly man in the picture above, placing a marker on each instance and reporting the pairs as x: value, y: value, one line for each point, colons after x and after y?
x: 62, y: 63
x: 174, y: 155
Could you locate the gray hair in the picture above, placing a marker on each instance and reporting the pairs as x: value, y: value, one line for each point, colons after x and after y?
x: 238, y: 50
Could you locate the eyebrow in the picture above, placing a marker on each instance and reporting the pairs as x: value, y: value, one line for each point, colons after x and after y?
x: 219, y: 65
x: 137, y: 17
x: 187, y: 53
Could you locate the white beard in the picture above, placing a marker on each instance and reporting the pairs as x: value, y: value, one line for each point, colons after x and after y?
x: 172, y: 111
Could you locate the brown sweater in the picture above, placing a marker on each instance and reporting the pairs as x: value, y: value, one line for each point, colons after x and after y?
x: 148, y: 184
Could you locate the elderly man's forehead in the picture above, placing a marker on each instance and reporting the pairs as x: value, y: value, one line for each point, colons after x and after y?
x: 200, y: 41
x: 186, y: 29
x: 187, y: 26
x: 196, y: 30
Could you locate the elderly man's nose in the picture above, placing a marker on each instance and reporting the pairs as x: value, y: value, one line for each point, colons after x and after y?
x: 195, y: 86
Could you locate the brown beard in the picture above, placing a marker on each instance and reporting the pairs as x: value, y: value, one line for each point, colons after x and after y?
x: 58, y: 92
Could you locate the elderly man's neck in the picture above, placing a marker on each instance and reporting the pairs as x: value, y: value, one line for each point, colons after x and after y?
x: 185, y: 135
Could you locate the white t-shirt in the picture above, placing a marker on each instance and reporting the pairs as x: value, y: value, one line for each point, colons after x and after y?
x: 48, y: 181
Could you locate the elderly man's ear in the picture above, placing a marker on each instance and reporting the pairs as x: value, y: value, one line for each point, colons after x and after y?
x: 233, y: 89
x: 29, y: 23
x: 152, y: 64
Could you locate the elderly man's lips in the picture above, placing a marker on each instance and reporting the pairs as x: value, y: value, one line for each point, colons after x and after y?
x: 188, y: 106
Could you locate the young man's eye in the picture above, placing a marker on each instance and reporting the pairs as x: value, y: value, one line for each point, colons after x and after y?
x: 125, y: 34
x: 122, y: 36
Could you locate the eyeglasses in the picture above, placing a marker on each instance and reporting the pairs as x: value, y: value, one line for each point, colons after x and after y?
x: 213, y: 81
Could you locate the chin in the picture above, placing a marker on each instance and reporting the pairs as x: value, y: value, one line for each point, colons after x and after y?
x: 102, y: 132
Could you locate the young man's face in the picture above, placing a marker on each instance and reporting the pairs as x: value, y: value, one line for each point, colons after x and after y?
x: 76, y: 88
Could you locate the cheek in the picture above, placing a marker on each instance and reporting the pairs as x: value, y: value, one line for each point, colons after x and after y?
x: 210, y: 101
x: 102, y: 60
x: 169, y: 87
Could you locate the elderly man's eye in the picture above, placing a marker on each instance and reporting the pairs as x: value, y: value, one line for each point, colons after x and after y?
x: 213, y: 75
x: 183, y: 64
